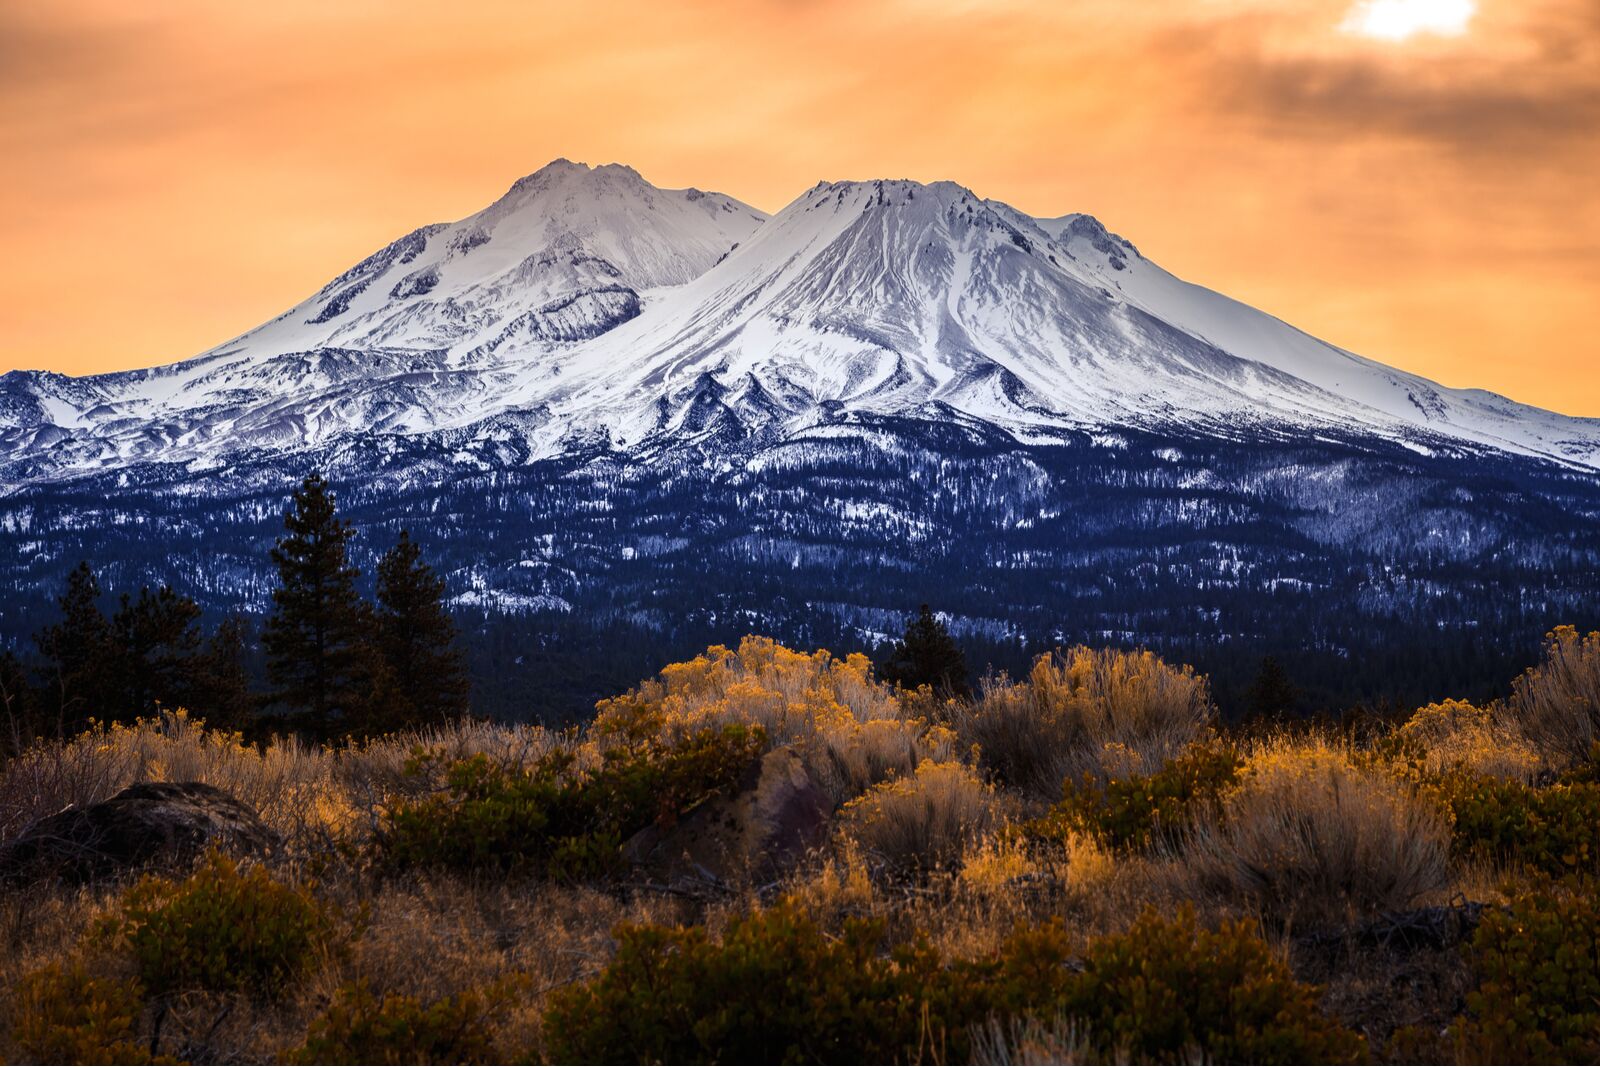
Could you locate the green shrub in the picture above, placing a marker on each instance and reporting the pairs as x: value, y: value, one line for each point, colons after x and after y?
x: 220, y: 929
x: 64, y: 1014
x: 1167, y: 987
x: 1555, y: 828
x: 1130, y: 812
x: 360, y: 1027
x: 1538, y: 993
x: 778, y: 988
x: 553, y: 818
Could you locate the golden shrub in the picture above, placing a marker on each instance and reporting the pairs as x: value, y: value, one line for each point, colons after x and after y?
x: 852, y: 730
x: 1556, y: 704
x: 1086, y: 712
x: 1456, y: 735
x: 924, y: 820
x: 1311, y: 834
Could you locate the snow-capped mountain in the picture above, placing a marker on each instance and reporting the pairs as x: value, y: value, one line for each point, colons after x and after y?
x: 896, y: 298
x: 644, y: 420
x: 431, y: 330
x: 587, y: 309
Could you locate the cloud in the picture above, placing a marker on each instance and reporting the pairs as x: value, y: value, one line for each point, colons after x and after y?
x: 1524, y: 84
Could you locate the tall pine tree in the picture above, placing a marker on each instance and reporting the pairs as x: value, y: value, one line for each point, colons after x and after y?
x: 159, y: 647
x: 79, y: 653
x: 426, y: 677
x: 219, y: 684
x: 927, y: 655
x: 319, y: 656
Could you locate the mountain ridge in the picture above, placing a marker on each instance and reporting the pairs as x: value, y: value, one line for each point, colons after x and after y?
x: 594, y: 307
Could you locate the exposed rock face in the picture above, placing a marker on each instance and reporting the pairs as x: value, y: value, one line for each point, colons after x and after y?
x: 777, y: 814
x: 148, y: 825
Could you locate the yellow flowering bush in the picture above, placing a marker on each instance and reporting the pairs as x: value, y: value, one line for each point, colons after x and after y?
x: 1310, y: 833
x: 1454, y: 735
x: 852, y: 729
x: 923, y: 820
x: 1086, y: 712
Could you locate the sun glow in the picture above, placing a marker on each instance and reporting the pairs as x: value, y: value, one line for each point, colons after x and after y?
x: 1400, y: 20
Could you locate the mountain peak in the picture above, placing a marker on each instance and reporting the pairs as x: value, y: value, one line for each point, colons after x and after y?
x: 887, y: 191
x: 562, y: 170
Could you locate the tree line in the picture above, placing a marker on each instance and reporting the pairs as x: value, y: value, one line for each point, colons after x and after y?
x: 336, y: 664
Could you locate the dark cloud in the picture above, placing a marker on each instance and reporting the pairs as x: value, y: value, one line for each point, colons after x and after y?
x: 1510, y: 99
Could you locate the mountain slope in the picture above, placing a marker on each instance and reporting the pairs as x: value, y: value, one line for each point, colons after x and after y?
x: 425, y: 332
x: 894, y: 298
x: 654, y: 420
x: 588, y: 310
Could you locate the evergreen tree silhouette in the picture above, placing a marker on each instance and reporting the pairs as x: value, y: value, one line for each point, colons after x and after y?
x: 159, y: 646
x: 927, y: 655
x: 1271, y: 694
x: 218, y: 684
x: 417, y: 638
x: 79, y: 652
x: 319, y: 657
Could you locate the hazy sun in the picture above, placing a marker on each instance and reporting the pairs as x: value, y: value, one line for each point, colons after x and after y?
x: 1400, y: 20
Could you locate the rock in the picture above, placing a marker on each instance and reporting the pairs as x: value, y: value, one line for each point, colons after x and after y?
x: 148, y: 825
x: 776, y: 815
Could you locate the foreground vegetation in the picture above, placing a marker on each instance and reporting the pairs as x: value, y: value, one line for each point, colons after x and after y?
x: 1076, y: 866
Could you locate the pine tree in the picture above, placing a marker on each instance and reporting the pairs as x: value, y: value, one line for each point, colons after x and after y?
x: 319, y: 656
x: 1271, y: 694
x: 79, y: 653
x: 159, y: 646
x: 417, y: 639
x: 218, y: 684
x: 927, y: 655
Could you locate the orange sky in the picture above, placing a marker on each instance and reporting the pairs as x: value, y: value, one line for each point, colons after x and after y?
x: 173, y: 172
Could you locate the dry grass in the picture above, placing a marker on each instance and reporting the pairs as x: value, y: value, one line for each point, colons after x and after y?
x: 1031, y: 1043
x: 1093, y: 712
x: 1312, y: 834
x: 1556, y: 704
x: 313, y: 796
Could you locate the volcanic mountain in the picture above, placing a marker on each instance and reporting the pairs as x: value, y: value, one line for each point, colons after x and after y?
x: 589, y: 306
x: 645, y: 419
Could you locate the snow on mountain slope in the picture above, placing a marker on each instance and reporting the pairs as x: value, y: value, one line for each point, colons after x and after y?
x: 411, y: 338
x: 565, y: 253
x: 587, y: 307
x: 1410, y: 400
x: 898, y: 298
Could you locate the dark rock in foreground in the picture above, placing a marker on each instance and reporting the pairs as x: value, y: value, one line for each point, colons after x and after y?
x: 148, y: 825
